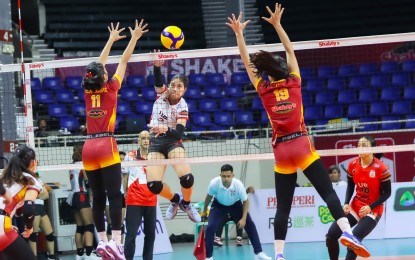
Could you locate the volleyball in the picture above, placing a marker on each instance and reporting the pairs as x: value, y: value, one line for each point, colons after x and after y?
x: 172, y: 37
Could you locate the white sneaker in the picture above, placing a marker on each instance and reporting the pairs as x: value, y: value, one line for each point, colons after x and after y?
x: 79, y: 257
x: 210, y: 258
x: 191, y: 212
x: 262, y: 256
x: 115, y: 249
x: 171, y: 211
x: 103, y: 252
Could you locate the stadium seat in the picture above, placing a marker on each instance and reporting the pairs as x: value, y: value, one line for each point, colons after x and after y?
x: 347, y: 96
x: 390, y: 125
x: 332, y: 111
x: 307, y: 98
x: 257, y: 103
x: 378, y: 108
x: 313, y: 112
x: 202, y: 119
x: 137, y: 81
x: 408, y: 66
x: 347, y: 70
x: 245, y: 119
x: 368, y: 68
x: 401, y: 79
x: 129, y: 94
x: 78, y: 110
x: 64, y: 96
x: 359, y: 81
x: 213, y: 91
x: 379, y: 80
x: 389, y: 66
x: 356, y: 110
x: 410, y: 124
x: 223, y: 119
x: 368, y: 95
x: 135, y: 124
x: 150, y: 80
x: 124, y: 108
x: 57, y: 110
x: 149, y: 93
x: 409, y: 93
x: 228, y: 104
x: 235, y: 91
x: 326, y: 71
x: 336, y: 83
x: 193, y: 92
x: 402, y: 107
x: 70, y: 123
x: 191, y: 105
x: 390, y: 94
x: 35, y: 84
x: 368, y: 127
x: 324, y: 97
x: 119, y: 121
x: 216, y: 79
x: 44, y: 97
x: 144, y: 108
x: 52, y: 83
x: 264, y: 118
x: 81, y: 96
x: 73, y: 82
x: 240, y: 78
x: 306, y: 72
x: 197, y: 79
x: 315, y: 84
x: 208, y: 105
x: 222, y: 129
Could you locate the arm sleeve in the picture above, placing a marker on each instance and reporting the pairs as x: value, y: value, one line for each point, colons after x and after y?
x: 349, y: 190
x: 158, y: 80
x: 28, y: 213
x: 385, y: 193
x: 176, y: 133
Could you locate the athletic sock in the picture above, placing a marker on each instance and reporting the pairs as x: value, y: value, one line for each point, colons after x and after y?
x: 344, y: 225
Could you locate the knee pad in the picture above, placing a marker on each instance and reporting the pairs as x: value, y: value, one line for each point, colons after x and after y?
x: 155, y: 186
x: 89, y: 228
x: 80, y: 229
x: 34, y: 237
x: 50, y: 237
x: 187, y: 181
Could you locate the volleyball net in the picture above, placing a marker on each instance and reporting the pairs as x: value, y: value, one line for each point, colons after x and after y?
x: 351, y: 87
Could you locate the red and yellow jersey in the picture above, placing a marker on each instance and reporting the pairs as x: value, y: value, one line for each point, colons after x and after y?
x: 101, y: 107
x: 368, y: 180
x: 282, y: 101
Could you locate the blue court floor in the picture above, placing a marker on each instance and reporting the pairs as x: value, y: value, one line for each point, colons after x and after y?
x: 382, y: 249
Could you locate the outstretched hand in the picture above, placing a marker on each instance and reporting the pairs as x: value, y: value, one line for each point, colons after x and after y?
x: 158, y: 63
x: 115, y: 32
x: 275, y: 17
x: 139, y: 29
x: 236, y: 24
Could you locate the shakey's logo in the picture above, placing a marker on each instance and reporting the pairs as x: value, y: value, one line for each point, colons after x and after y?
x: 328, y: 44
x: 167, y: 56
x: 284, y: 107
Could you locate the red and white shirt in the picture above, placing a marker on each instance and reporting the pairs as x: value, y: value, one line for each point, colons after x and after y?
x: 166, y: 114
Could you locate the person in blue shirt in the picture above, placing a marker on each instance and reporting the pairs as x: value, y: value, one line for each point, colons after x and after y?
x: 230, y: 199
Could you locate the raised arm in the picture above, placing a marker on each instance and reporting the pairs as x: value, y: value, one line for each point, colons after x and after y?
x: 114, y: 36
x: 136, y: 34
x: 238, y: 27
x: 275, y: 20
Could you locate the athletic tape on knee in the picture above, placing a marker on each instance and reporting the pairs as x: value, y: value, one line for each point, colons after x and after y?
x: 187, y: 181
x: 34, y: 237
x: 155, y: 186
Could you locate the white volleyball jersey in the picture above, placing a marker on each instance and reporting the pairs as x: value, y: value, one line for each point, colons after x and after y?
x: 77, y: 180
x: 166, y: 114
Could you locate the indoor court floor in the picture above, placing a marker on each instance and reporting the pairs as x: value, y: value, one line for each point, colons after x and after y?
x: 381, y: 249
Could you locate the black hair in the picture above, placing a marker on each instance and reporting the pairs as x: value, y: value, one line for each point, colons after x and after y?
x: 77, y: 153
x: 226, y: 167
x: 333, y: 167
x: 19, y: 163
x: 264, y: 62
x: 372, y: 142
x: 94, y: 76
x: 182, y: 78
x: 122, y: 153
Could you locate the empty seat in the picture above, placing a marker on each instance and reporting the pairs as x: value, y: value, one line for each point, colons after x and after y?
x: 390, y: 94
x: 215, y: 79
x: 197, y: 79
x: 245, y: 119
x: 208, y: 105
x: 315, y: 84
x: 356, y: 110
x: 70, y: 123
x: 149, y: 93
x: 389, y: 66
x: 326, y: 71
x: 202, y: 119
x: 324, y: 97
x: 57, y: 110
x: 307, y: 98
x: 136, y: 81
x: 129, y: 94
x: 35, y: 84
x: 73, y: 82
x: 409, y: 92
x: 124, y: 108
x: 359, y: 81
x: 78, y: 110
x: 213, y: 91
x: 335, y: 83
x: 409, y: 123
x: 229, y: 104
x: 223, y: 118
x: 264, y: 118
x: 402, y: 107
x: 135, y: 124
x: 235, y: 91
x: 401, y: 79
x: 368, y: 95
x: 307, y: 72
x: 378, y: 108
x: 257, y: 103
x: 52, y: 83
x: 347, y: 70
x: 332, y: 111
x: 240, y: 78
x: 81, y: 96
x: 313, y: 112
x: 390, y: 125
x: 191, y: 105
x: 408, y: 65
x: 366, y: 126
x: 64, y: 96
x: 193, y: 92
x: 379, y: 80
x: 44, y: 97
x: 347, y: 96
x: 368, y: 68
x: 144, y: 108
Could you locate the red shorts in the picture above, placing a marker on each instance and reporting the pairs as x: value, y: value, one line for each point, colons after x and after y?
x: 7, y: 238
x: 356, y: 205
x: 293, y: 154
x: 100, y: 153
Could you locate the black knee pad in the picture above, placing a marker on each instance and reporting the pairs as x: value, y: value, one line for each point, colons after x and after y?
x: 80, y: 230
x: 155, y: 186
x: 89, y: 228
x: 34, y: 237
x: 50, y: 237
x: 187, y: 181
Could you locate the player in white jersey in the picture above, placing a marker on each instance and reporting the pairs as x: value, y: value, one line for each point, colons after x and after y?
x: 19, y: 180
x: 167, y: 125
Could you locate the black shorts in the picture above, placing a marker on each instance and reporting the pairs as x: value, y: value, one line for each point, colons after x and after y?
x: 78, y: 203
x: 39, y: 210
x: 163, y: 144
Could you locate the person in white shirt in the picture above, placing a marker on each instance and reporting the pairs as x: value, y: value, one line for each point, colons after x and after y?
x: 335, y: 176
x: 231, y: 200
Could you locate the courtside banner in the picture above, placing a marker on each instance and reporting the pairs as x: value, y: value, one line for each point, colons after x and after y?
x: 400, y: 211
x: 161, y: 244
x: 309, y: 219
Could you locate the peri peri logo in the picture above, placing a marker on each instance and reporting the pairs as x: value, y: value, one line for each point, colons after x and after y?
x: 167, y: 56
x: 36, y: 65
x: 328, y: 44
x: 97, y: 113
x: 284, y: 107
x: 325, y: 215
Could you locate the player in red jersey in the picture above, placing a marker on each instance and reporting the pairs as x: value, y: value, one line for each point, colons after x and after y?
x: 281, y: 97
x: 373, y: 187
x: 100, y: 154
